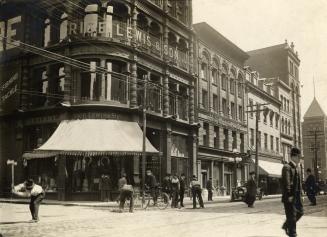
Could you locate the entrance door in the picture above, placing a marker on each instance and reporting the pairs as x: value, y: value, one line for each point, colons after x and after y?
x: 228, y: 183
x: 204, y: 175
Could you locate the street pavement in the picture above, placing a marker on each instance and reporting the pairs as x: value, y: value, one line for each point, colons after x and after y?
x: 216, y: 219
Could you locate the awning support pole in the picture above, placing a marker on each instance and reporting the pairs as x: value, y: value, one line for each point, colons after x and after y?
x: 144, y: 134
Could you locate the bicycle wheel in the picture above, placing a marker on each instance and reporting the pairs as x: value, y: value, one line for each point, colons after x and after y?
x: 163, y: 201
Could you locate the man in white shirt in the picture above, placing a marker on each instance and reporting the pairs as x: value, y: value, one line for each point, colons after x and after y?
x: 35, y: 192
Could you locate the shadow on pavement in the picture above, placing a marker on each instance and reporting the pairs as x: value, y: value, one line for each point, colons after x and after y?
x: 14, y: 222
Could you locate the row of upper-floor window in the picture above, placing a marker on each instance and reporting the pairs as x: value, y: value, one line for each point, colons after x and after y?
x: 227, y: 110
x: 223, y: 80
x: 286, y: 126
x: 285, y: 103
x: 274, y: 141
x: 94, y: 23
x: 221, y: 138
x: 268, y: 114
x: 293, y: 69
x: 47, y: 86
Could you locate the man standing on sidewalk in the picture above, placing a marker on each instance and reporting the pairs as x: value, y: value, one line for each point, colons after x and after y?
x: 292, y: 193
x: 310, y: 187
x: 182, y: 189
x: 209, y: 188
x: 196, y: 192
x: 35, y: 192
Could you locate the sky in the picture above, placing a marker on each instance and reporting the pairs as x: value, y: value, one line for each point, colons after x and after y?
x: 254, y: 24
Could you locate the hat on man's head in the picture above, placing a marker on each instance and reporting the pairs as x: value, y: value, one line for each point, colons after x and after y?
x: 252, y: 172
x: 295, y: 151
x: 29, y: 183
x: 308, y: 170
x: 194, y: 177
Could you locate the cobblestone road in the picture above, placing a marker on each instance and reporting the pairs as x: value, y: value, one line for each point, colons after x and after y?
x: 219, y: 219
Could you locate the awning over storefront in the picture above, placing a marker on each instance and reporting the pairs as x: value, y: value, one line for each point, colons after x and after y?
x: 269, y: 168
x: 92, y: 137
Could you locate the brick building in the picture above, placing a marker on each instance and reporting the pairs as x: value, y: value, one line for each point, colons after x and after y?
x: 221, y: 109
x: 282, y: 63
x: 51, y: 105
x: 314, y: 139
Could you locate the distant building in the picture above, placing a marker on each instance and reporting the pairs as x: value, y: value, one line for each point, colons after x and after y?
x: 314, y: 129
x: 221, y: 108
x: 282, y: 62
x: 260, y: 91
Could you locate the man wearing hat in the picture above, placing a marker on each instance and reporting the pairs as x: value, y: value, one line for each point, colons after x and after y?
x: 251, y: 190
x: 292, y: 192
x: 196, y: 191
x: 35, y: 192
x: 310, y: 187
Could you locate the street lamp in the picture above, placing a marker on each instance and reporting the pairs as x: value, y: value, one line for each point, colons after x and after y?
x: 237, y: 159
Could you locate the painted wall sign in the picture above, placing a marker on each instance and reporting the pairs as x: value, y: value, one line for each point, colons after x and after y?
x: 9, y: 30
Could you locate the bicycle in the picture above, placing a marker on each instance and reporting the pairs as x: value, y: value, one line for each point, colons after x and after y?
x: 162, y: 200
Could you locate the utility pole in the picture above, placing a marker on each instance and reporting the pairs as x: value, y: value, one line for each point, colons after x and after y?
x: 257, y: 118
x: 144, y: 134
x: 315, y: 149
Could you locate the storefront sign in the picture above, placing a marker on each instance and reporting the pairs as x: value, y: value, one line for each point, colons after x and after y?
x: 8, y: 29
x: 9, y: 88
x: 117, y: 30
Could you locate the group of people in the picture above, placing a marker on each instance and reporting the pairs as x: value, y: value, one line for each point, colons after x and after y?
x: 174, y: 186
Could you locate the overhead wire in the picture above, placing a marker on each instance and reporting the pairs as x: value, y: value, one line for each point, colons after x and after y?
x: 86, y: 66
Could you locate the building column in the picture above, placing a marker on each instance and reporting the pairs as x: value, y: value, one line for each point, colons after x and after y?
x: 221, y: 138
x: 191, y: 103
x: 61, y: 180
x: 133, y: 86
x: 24, y: 85
x: 166, y: 160
x: 166, y: 93
x: 238, y: 141
x: 218, y: 92
x: 103, y: 81
x: 222, y: 182
x: 230, y: 140
x: 228, y: 95
x: 209, y: 86
x: 67, y: 84
x: 136, y: 171
x: 236, y: 99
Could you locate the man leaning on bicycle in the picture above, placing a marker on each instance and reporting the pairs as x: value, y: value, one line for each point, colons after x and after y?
x: 152, y: 185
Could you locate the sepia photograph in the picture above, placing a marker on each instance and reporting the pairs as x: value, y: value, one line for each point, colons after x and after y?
x: 158, y: 118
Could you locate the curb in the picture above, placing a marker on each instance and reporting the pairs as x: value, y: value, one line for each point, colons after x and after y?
x: 113, y: 204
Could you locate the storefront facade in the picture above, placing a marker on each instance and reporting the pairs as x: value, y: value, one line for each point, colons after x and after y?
x: 221, y: 110
x: 112, y: 47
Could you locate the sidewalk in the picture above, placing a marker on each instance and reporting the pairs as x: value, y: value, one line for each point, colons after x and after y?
x: 187, y: 201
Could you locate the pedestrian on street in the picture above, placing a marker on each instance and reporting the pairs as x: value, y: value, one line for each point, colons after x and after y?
x: 251, y: 190
x: 166, y: 185
x: 182, y: 185
x: 174, y: 191
x: 125, y: 192
x: 152, y: 185
x: 196, y: 191
x: 310, y: 187
x: 292, y: 193
x: 35, y: 192
x: 209, y: 188
x: 105, y: 186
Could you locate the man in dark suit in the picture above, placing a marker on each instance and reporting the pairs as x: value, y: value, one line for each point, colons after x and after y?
x: 292, y: 192
x: 310, y: 187
x: 251, y: 190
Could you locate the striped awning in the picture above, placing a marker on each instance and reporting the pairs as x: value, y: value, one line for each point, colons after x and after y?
x: 93, y: 137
